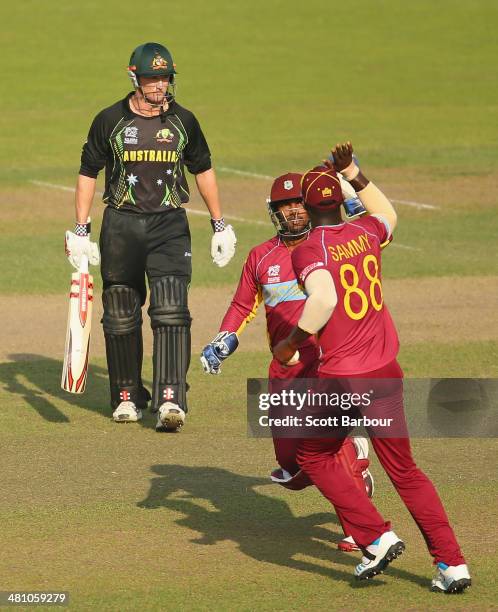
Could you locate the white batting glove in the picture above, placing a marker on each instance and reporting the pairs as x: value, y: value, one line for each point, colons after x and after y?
x: 348, y: 193
x: 77, y: 246
x: 222, y: 244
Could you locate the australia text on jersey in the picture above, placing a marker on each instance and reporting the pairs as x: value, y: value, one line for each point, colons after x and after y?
x: 150, y: 155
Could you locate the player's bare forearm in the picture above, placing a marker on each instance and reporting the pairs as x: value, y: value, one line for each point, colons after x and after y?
x: 208, y: 188
x: 85, y: 191
x: 297, y: 337
x: 286, y: 348
x: 223, y: 240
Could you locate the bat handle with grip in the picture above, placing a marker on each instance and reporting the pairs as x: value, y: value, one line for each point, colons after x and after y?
x: 83, y: 269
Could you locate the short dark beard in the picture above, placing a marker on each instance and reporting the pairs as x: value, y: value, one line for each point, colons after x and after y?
x: 292, y: 242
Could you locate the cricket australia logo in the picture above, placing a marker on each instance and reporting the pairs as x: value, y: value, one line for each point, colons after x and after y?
x: 164, y: 135
x: 158, y: 62
x: 131, y: 135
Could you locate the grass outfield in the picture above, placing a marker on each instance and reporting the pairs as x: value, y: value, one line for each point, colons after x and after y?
x: 128, y: 519
x: 455, y: 239
x: 125, y: 518
x: 272, y: 82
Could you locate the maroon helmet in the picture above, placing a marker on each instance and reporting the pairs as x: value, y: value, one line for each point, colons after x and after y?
x: 285, y: 189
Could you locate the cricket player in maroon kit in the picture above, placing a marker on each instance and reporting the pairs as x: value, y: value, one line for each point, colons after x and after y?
x: 340, y: 269
x: 268, y: 276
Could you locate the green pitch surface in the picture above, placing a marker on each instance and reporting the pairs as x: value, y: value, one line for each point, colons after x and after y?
x: 128, y: 519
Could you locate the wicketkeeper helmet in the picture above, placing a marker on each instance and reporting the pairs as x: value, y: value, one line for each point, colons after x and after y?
x: 285, y: 189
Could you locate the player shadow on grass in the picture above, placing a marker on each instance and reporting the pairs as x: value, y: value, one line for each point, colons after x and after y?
x: 36, y: 380
x: 263, y: 526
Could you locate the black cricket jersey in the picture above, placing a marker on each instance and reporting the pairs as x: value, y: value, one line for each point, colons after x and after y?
x: 144, y: 157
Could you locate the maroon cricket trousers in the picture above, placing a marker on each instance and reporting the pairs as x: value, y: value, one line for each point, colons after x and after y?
x: 286, y: 448
x: 358, y: 514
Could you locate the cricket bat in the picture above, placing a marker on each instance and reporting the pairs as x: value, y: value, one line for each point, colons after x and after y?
x: 79, y: 323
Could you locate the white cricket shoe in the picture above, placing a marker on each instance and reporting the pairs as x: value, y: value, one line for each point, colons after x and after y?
x: 280, y: 476
x: 170, y: 417
x: 127, y: 412
x: 451, y: 579
x: 380, y: 553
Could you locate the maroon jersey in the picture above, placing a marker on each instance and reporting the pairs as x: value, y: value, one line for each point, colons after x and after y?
x: 360, y: 335
x: 268, y: 276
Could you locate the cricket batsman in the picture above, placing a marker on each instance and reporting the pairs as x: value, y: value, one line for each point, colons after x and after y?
x: 144, y: 142
x: 268, y: 276
x: 340, y: 268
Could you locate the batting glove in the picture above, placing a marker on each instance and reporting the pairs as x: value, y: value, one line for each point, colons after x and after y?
x: 222, y: 243
x: 77, y: 246
x: 352, y: 203
x: 217, y: 351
